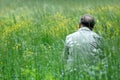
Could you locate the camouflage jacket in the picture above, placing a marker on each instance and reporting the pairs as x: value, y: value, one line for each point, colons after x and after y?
x: 81, y: 48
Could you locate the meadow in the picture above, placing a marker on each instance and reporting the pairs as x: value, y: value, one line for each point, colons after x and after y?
x: 32, y: 35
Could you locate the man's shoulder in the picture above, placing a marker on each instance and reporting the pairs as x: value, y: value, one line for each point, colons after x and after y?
x: 70, y: 38
x: 95, y: 34
x: 72, y: 35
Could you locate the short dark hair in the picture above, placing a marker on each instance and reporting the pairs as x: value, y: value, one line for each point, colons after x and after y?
x: 88, y: 21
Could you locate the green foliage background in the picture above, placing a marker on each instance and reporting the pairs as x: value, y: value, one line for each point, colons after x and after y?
x: 32, y: 34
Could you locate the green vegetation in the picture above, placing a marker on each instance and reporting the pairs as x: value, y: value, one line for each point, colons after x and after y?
x: 32, y: 34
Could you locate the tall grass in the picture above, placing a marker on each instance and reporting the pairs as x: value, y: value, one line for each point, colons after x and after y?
x: 33, y: 34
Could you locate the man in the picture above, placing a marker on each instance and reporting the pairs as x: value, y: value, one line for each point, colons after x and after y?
x: 82, y: 47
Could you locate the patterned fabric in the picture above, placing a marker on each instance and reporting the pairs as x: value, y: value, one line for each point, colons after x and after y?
x: 81, y: 48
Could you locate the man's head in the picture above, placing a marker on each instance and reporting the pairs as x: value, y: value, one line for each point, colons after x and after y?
x: 87, y: 21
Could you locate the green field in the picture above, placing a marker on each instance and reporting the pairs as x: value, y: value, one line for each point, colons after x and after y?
x: 32, y: 34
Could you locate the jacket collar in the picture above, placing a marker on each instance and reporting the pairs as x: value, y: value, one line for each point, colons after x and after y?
x: 84, y: 28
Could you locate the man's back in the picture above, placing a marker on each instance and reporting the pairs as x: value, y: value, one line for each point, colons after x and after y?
x: 81, y: 48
